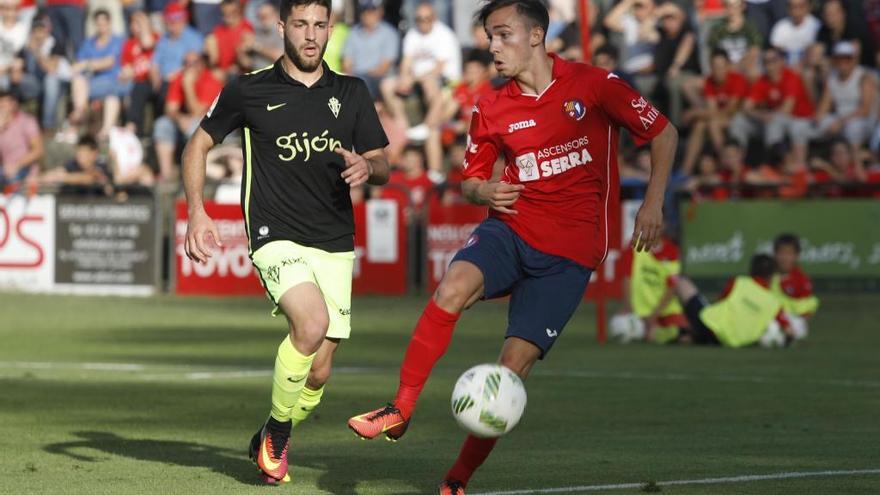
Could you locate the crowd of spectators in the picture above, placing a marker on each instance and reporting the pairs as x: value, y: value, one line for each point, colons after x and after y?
x: 773, y: 97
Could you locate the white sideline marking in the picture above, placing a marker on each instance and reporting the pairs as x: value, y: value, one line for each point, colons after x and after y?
x: 187, y: 372
x: 703, y: 481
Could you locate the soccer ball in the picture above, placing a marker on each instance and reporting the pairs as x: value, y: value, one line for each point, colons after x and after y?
x: 626, y: 328
x: 773, y: 336
x: 488, y: 400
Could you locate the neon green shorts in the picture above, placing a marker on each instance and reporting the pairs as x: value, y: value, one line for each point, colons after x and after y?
x: 284, y: 264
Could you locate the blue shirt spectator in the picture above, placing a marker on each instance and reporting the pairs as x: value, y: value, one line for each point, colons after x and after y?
x: 178, y: 40
x: 372, y: 47
x: 92, y: 49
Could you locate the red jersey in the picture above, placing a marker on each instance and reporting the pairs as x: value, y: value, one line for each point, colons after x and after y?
x: 207, y: 88
x: 796, y: 284
x: 141, y: 59
x: 562, y: 145
x: 734, y: 87
x: 773, y: 94
x: 228, y: 39
x: 413, y: 191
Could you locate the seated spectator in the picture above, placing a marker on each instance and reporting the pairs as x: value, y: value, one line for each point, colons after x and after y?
x: 723, y: 91
x: 223, y: 42
x: 454, y: 110
x: 190, y: 95
x: 96, y: 75
x: 636, y: 21
x: 634, y: 173
x: 450, y: 192
x: 739, y: 38
x: 849, y: 102
x: 410, y: 185
x: 791, y: 284
x: 794, y: 34
x: 741, y: 314
x: 677, y: 61
x: 127, y: 158
x: 777, y: 107
x: 86, y: 173
x: 707, y: 182
x: 839, y: 172
x: 68, y: 18
x: 836, y: 28
x: 137, y: 62
x: 431, y: 60
x: 13, y: 37
x: 606, y: 58
x: 41, y: 71
x: 262, y: 46
x: 733, y: 165
x: 171, y: 50
x: 371, y: 48
x: 21, y: 145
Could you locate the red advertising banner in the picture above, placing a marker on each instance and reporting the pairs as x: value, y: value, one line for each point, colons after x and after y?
x: 380, y: 265
x: 229, y: 271
x: 450, y: 226
x: 448, y: 229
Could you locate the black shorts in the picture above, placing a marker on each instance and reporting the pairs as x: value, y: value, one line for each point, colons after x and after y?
x: 545, y: 289
x: 699, y: 332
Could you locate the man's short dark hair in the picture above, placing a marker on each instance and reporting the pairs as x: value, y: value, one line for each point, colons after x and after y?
x: 287, y: 6
x: 482, y: 57
x: 762, y: 266
x: 787, y: 240
x: 720, y: 53
x: 534, y: 11
x: 608, y: 50
x: 101, y: 12
x: 87, y: 141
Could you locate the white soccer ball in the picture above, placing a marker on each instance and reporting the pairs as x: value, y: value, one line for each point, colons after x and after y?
x: 773, y: 336
x: 626, y: 328
x: 488, y: 400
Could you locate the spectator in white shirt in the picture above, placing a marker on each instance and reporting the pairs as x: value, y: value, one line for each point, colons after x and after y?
x: 794, y: 34
x: 431, y: 59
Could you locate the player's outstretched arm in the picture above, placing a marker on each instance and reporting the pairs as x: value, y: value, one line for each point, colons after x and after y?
x: 649, y: 220
x: 497, y: 195
x: 199, y: 225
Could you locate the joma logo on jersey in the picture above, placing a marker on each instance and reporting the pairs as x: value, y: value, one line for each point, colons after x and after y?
x: 522, y: 124
x: 647, y: 113
x: 295, y: 144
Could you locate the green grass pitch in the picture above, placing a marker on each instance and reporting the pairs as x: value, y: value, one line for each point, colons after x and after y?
x: 187, y: 384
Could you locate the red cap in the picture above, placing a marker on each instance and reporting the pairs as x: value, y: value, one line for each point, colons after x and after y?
x: 175, y: 12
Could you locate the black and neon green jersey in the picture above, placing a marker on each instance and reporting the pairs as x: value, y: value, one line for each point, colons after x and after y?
x: 291, y: 186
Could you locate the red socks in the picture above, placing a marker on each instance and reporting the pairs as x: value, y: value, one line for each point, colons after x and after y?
x: 473, y: 453
x: 429, y: 341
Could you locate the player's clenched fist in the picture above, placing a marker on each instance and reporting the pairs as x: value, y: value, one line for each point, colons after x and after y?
x: 357, y: 168
x: 500, y: 195
x: 200, y: 233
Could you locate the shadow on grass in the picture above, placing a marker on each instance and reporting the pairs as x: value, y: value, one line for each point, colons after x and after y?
x: 224, y: 461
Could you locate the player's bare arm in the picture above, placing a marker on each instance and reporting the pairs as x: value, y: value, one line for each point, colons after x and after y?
x: 199, y: 226
x: 499, y: 196
x: 649, y: 220
x: 371, y: 168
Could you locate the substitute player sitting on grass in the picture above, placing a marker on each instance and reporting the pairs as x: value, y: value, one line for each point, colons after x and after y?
x: 556, y: 124
x: 741, y: 314
x: 792, y: 285
x: 300, y: 120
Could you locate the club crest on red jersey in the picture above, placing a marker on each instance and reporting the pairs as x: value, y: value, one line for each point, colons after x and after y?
x: 575, y: 109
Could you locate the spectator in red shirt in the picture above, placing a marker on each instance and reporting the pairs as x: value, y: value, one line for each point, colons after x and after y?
x: 778, y: 106
x: 222, y: 44
x: 409, y: 184
x: 724, y: 91
x: 137, y: 61
x: 841, y: 169
x: 190, y: 95
x: 707, y: 182
x: 457, y: 107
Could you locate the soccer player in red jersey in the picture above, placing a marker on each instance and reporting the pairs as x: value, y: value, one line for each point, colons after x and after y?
x: 556, y: 123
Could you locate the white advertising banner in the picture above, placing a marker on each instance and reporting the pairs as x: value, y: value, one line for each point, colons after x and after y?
x: 27, y: 242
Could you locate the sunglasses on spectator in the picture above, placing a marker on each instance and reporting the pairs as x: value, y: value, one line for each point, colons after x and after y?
x: 424, y: 18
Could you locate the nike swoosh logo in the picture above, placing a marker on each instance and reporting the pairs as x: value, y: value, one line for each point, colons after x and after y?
x: 267, y: 461
x: 388, y: 427
x: 269, y: 108
x: 291, y: 380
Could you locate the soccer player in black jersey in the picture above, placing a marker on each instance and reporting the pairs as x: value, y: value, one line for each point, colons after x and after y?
x: 308, y: 136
